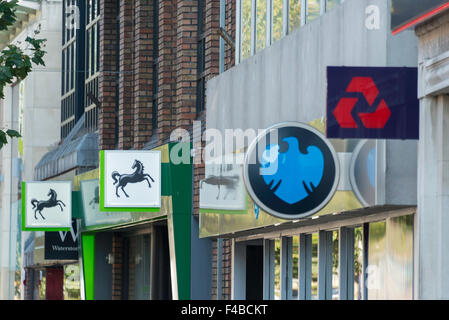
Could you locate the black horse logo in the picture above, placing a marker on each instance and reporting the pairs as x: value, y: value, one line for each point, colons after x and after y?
x: 96, y: 199
x: 228, y: 182
x: 38, y: 206
x: 136, y: 176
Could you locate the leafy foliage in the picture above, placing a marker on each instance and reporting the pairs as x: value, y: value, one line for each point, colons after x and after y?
x: 15, y: 64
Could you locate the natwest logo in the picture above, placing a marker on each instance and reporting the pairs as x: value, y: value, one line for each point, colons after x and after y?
x: 372, y: 102
x: 374, y: 120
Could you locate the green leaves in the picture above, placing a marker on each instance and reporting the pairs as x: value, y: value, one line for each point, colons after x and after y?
x: 13, y: 133
x: 7, y: 14
x: 14, y: 63
x: 4, y: 134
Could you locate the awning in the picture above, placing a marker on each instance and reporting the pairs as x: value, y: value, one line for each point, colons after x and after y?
x: 78, y: 150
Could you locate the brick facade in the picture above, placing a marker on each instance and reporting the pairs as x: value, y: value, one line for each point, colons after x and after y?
x: 127, y: 57
x: 117, y: 250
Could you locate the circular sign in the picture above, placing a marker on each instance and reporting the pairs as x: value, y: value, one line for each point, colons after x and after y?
x: 291, y: 171
x: 363, y: 172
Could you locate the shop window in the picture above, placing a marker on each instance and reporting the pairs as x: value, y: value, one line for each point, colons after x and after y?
x: 136, y: 281
x: 389, y: 274
x: 358, y: 263
x: 375, y: 271
x: 72, y: 282
x: 254, y: 272
x: 370, y: 261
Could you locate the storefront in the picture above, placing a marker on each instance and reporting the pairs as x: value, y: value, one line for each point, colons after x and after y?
x: 360, y: 245
x: 141, y: 255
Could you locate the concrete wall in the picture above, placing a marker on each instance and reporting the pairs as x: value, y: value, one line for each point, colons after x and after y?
x: 287, y: 82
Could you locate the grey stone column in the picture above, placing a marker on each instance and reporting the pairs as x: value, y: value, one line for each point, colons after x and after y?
x: 432, y: 241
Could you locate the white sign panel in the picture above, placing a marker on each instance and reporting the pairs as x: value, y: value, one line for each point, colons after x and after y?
x: 90, y: 194
x: 223, y: 188
x: 132, y: 179
x: 48, y: 205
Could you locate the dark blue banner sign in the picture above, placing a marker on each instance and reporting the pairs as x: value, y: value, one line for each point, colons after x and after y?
x: 291, y: 171
x: 372, y: 103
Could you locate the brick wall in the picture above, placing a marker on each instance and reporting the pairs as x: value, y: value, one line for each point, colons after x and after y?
x: 117, y: 250
x: 126, y: 90
x: 212, y: 65
x: 108, y: 72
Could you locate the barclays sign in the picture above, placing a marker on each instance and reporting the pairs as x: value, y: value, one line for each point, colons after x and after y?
x: 293, y: 175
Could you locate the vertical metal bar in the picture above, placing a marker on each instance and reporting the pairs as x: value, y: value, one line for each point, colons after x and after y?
x: 365, y: 259
x: 269, y: 25
x: 350, y: 262
x: 253, y: 26
x: 285, y: 20
x: 328, y: 265
x: 266, y: 269
x: 238, y: 31
x: 271, y: 270
x: 308, y: 276
x: 323, y: 7
x: 288, y: 283
x: 219, y: 267
x: 303, y: 12
x: 222, y: 44
x: 322, y: 250
x: 302, y: 267
x: 284, y: 267
x: 344, y: 262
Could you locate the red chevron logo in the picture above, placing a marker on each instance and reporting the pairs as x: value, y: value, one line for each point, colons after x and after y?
x: 373, y: 120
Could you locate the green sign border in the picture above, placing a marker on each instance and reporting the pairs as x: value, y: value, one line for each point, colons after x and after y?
x: 24, y: 228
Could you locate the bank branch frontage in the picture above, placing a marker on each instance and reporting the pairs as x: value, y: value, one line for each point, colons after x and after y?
x: 134, y: 215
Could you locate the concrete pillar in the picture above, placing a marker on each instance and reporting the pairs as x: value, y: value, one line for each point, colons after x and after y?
x: 432, y: 242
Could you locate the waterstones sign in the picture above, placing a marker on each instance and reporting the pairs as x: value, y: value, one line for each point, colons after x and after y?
x: 46, y: 205
x: 130, y: 180
x: 62, y: 245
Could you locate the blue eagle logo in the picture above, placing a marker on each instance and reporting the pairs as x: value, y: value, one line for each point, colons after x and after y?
x: 292, y: 175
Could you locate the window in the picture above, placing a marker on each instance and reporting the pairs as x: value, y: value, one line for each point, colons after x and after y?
x: 262, y: 22
x: 70, y: 109
x: 92, y: 64
x: 313, y: 9
x: 277, y: 19
x: 294, y: 15
x: 201, y: 82
x: 356, y: 262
